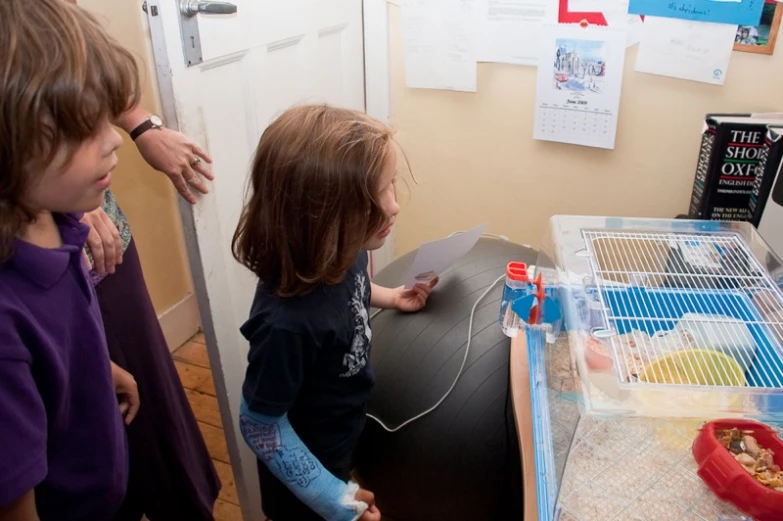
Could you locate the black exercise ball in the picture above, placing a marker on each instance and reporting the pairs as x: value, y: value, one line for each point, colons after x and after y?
x: 461, y: 462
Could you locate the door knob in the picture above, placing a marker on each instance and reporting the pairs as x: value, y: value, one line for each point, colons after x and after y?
x: 194, y: 7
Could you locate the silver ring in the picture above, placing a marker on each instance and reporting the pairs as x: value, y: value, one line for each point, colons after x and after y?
x: 196, y: 161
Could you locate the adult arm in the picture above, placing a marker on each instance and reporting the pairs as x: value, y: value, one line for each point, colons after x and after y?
x: 171, y: 153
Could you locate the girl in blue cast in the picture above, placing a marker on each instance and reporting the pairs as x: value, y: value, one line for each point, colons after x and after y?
x: 322, y: 195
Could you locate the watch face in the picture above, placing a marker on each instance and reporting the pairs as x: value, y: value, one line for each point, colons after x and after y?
x: 156, y: 121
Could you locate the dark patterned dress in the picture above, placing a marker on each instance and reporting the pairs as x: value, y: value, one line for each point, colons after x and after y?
x: 172, y: 477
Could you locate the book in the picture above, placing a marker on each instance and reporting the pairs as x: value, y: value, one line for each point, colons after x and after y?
x: 770, y: 228
x: 767, y: 169
x: 730, y: 151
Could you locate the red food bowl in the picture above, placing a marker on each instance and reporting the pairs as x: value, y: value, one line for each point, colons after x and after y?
x: 728, y: 479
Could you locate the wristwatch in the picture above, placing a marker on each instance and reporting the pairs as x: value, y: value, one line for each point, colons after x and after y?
x: 152, y: 122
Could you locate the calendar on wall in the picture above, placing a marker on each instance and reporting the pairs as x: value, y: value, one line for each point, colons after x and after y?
x: 580, y: 73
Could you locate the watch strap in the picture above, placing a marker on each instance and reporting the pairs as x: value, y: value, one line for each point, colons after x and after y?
x: 141, y: 129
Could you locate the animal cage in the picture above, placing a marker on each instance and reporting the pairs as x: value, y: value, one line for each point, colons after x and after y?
x: 666, y: 324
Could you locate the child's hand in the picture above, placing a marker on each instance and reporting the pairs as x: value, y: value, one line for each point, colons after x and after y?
x: 372, y: 513
x: 127, y: 391
x: 414, y: 299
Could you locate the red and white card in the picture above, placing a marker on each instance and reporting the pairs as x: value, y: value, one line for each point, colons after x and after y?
x: 613, y: 13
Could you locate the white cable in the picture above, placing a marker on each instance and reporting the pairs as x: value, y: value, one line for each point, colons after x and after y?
x: 459, y: 373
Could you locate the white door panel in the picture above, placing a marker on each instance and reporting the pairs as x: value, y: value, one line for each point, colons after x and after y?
x: 258, y: 62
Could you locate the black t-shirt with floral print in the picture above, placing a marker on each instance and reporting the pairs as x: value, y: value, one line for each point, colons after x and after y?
x: 309, y: 357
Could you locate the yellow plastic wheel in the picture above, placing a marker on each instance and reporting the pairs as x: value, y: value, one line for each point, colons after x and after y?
x: 694, y: 367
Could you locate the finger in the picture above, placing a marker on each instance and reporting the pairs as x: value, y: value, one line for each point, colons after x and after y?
x: 109, y: 253
x: 86, y: 259
x: 96, y: 248
x: 124, y: 406
x: 133, y: 409
x: 426, y: 288
x: 202, y: 168
x: 407, y: 292
x: 365, y: 496
x: 115, y: 236
x: 434, y: 282
x: 422, y: 293
x: 131, y: 415
x: 421, y: 296
x: 407, y: 295
x: 193, y: 179
x: 182, y: 188
x: 107, y: 241
x: 200, y: 153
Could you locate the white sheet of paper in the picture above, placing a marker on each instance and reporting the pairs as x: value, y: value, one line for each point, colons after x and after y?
x: 440, y: 42
x: 632, y: 23
x: 697, y: 51
x: 509, y: 29
x: 616, y: 14
x: 580, y: 75
x: 433, y: 258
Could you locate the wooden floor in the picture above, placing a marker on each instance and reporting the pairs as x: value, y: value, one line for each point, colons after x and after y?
x: 193, y: 367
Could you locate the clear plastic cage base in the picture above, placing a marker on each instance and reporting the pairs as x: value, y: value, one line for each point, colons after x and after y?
x: 666, y: 324
x: 668, y: 318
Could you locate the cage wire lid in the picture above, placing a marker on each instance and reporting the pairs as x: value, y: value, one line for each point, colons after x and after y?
x: 669, y: 317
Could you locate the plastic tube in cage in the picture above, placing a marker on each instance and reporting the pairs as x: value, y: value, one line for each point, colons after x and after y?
x: 516, y: 287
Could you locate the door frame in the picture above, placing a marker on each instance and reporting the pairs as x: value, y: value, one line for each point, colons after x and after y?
x: 377, y: 91
x: 375, y: 21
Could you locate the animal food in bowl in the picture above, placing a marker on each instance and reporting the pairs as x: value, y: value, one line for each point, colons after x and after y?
x: 722, y: 469
x: 755, y: 459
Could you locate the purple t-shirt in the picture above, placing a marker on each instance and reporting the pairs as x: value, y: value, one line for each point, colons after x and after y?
x: 61, y: 432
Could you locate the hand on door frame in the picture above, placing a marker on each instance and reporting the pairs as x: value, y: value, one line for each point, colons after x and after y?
x: 171, y: 153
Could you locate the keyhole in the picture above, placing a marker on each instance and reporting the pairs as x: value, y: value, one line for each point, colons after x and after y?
x: 193, y: 42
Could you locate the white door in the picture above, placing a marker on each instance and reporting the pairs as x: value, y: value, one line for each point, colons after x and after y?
x: 252, y: 65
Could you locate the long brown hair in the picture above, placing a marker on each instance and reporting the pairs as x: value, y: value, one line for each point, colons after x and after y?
x: 61, y: 76
x: 314, y: 197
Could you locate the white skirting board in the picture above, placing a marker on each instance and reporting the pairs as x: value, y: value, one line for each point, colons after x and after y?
x: 180, y: 322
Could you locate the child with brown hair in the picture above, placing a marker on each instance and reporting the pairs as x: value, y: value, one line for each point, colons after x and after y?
x: 62, y: 442
x: 322, y: 196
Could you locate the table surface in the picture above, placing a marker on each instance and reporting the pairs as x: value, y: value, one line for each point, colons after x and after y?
x: 520, y: 396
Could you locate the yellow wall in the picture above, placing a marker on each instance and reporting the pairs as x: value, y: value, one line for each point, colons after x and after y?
x: 146, y: 196
x: 475, y: 159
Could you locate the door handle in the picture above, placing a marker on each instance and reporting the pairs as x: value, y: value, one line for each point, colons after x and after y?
x: 193, y: 7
